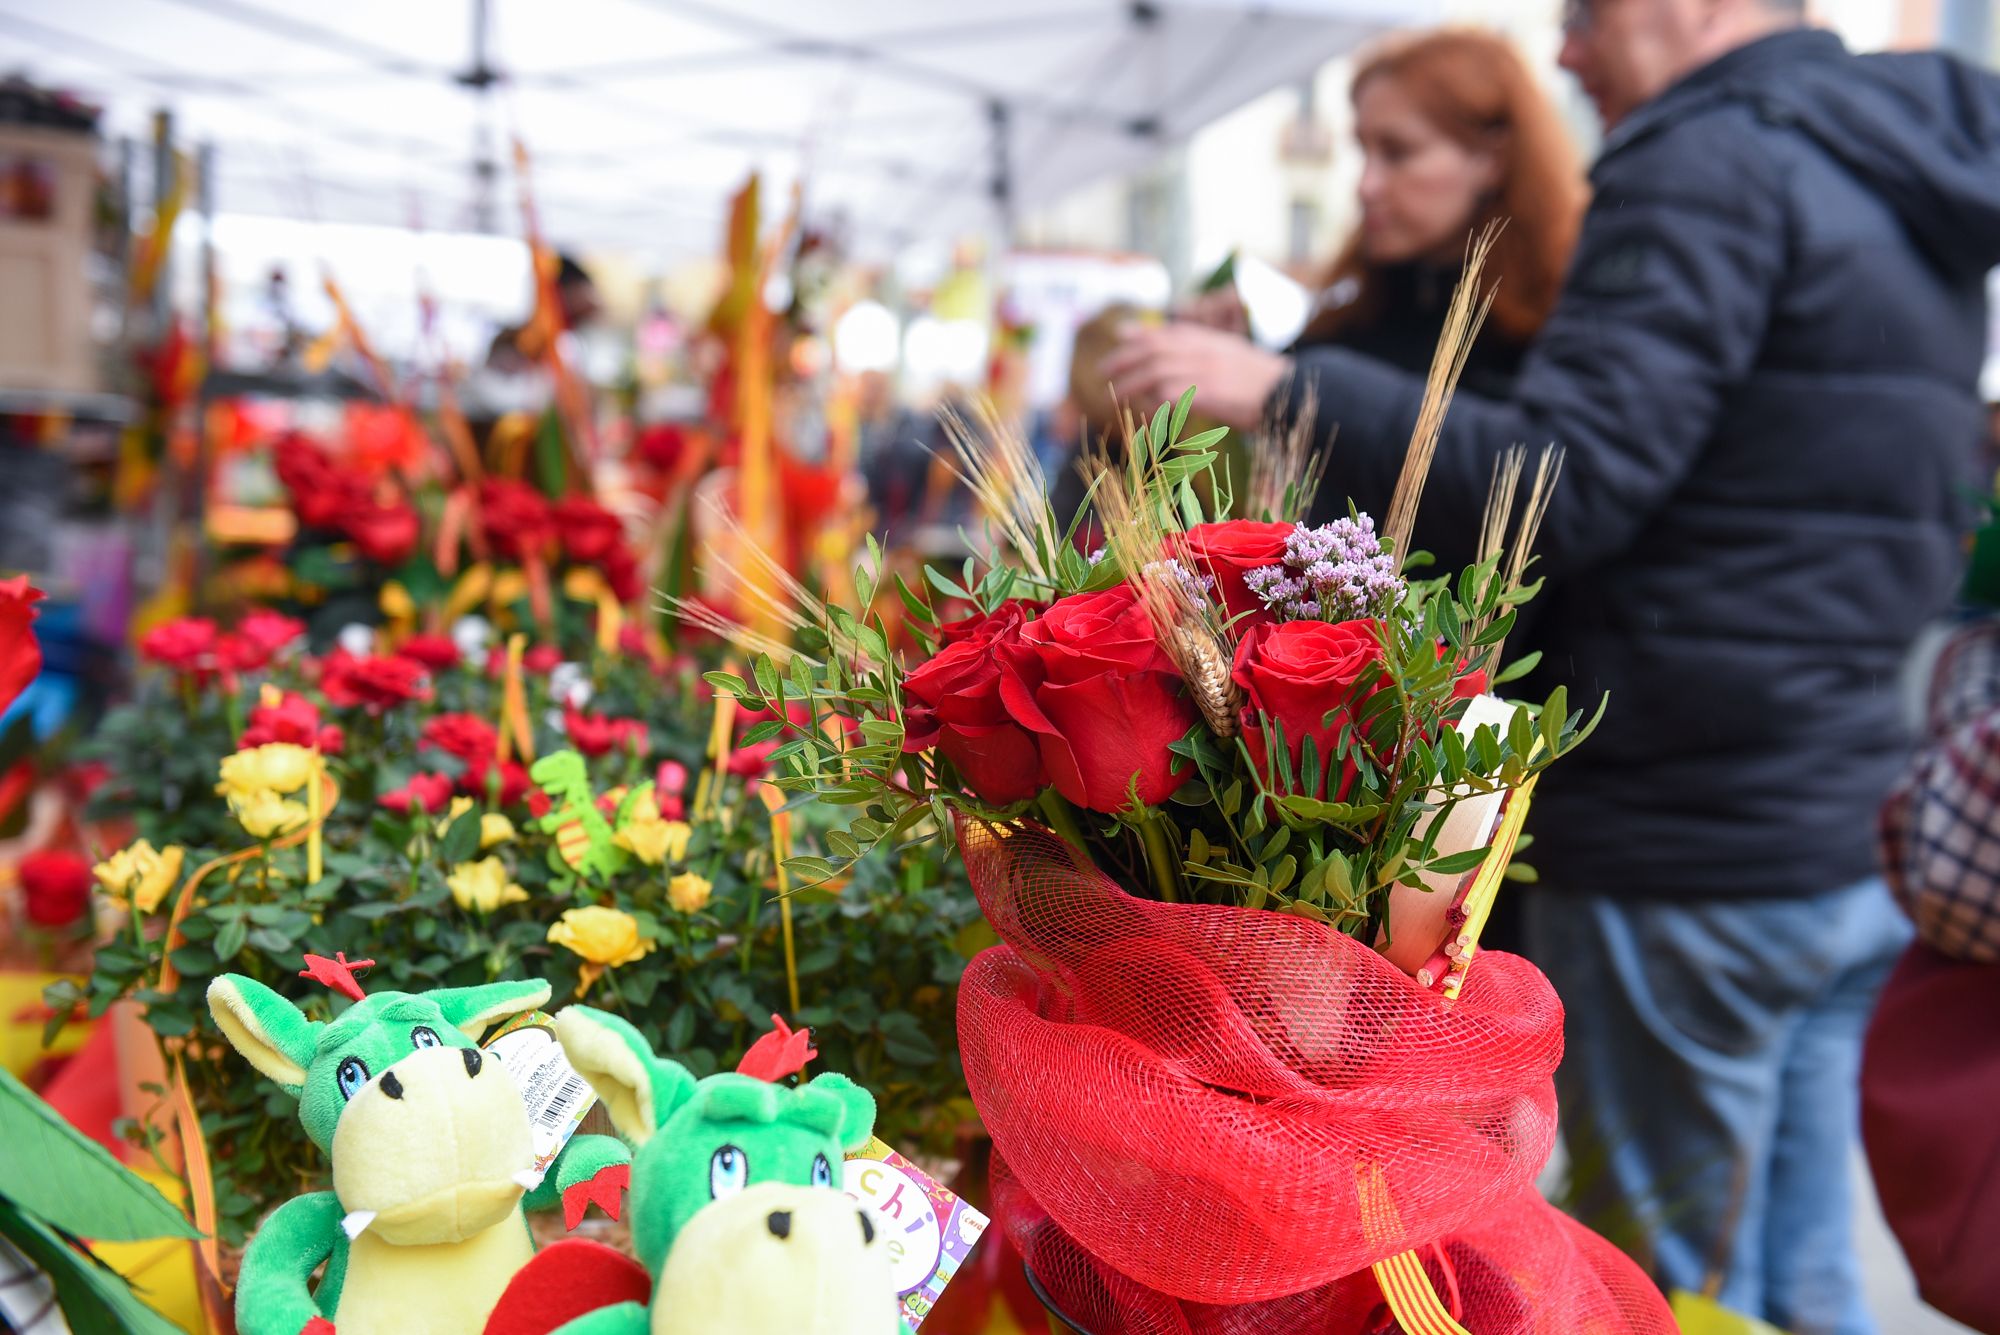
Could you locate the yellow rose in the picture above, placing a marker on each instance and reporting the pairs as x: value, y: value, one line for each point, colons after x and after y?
x: 459, y: 806
x: 483, y: 885
x: 141, y: 874
x: 494, y: 830
x: 276, y: 767
x: 689, y: 892
x: 603, y: 937
x: 650, y: 839
x: 265, y: 815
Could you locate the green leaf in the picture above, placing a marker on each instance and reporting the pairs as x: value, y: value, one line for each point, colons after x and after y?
x: 1182, y: 407
x: 461, y: 839
x: 93, y: 1298
x: 727, y: 683
x: 1519, y: 668
x: 62, y: 1176
x: 1457, y: 864
x: 230, y: 940
x: 1555, y: 717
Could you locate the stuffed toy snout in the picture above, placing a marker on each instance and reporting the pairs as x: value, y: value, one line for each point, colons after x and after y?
x: 435, y: 1149
x: 779, y: 1259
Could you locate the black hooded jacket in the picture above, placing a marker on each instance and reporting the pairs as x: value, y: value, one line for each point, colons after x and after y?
x: 1762, y: 370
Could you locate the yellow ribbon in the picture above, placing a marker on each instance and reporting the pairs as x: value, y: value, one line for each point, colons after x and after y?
x: 587, y: 585
x: 1412, y: 1300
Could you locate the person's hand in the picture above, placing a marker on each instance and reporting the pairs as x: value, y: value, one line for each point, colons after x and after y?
x: 1220, y: 309
x: 1233, y: 377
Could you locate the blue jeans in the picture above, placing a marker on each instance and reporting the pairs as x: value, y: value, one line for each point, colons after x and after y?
x: 1709, y: 1085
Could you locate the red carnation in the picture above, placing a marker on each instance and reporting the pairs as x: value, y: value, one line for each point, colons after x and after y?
x: 425, y: 794
x: 376, y: 682
x: 436, y: 652
x: 55, y: 887
x: 590, y: 533
x: 187, y: 644
x: 467, y: 736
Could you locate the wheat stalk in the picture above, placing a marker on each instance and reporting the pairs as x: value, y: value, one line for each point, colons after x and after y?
x: 1461, y: 326
x: 1000, y: 469
x: 1285, y: 471
x: 1157, y: 565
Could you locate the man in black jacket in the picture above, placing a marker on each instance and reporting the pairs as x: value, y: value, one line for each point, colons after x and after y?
x: 1762, y: 372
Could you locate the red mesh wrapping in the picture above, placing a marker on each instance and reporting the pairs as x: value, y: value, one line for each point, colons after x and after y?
x: 1216, y: 1119
x: 1526, y: 1269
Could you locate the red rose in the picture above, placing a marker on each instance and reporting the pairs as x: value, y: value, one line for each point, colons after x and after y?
x: 1295, y: 674
x: 186, y: 645
x: 1103, y: 700
x: 467, y: 736
x: 20, y: 655
x: 983, y: 626
x: 479, y: 781
x: 320, y: 493
x: 596, y: 735
x: 515, y: 518
x: 424, y: 793
x: 661, y: 445
x: 268, y: 632
x: 376, y: 682
x: 590, y: 533
x: 539, y: 803
x: 436, y: 652
x: 292, y: 719
x: 621, y: 572
x: 1231, y: 550
x: 55, y: 887
x: 385, y: 533
x: 541, y: 658
x: 954, y: 705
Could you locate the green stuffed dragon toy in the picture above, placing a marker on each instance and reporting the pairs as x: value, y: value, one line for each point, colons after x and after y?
x: 431, y: 1152
x: 736, y: 1210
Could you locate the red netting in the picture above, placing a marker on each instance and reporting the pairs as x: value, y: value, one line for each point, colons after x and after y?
x: 1228, y: 1106
x: 1527, y: 1269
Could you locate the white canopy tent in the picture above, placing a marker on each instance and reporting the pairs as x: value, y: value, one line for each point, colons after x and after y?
x: 904, y: 118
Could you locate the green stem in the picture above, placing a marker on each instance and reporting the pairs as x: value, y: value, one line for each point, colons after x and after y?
x: 1061, y: 819
x: 1160, y: 857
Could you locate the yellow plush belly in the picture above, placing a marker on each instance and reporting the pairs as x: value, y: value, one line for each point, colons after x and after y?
x: 446, y: 1289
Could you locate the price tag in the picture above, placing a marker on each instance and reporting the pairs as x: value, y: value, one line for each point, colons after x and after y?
x: 556, y: 1096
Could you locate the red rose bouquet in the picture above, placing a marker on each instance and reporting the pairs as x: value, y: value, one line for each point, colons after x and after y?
x: 1235, y: 797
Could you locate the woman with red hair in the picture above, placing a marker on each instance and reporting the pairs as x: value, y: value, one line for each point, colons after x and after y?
x: 1455, y: 136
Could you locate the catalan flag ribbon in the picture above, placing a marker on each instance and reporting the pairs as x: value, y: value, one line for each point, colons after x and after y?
x: 1412, y: 1300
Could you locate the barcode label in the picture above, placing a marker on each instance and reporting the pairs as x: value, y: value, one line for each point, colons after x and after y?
x: 560, y: 1105
x: 555, y: 1096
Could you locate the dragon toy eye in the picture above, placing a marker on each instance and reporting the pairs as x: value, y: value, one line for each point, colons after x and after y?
x: 351, y: 1075
x: 728, y: 1172
x: 822, y: 1171
x: 424, y: 1036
